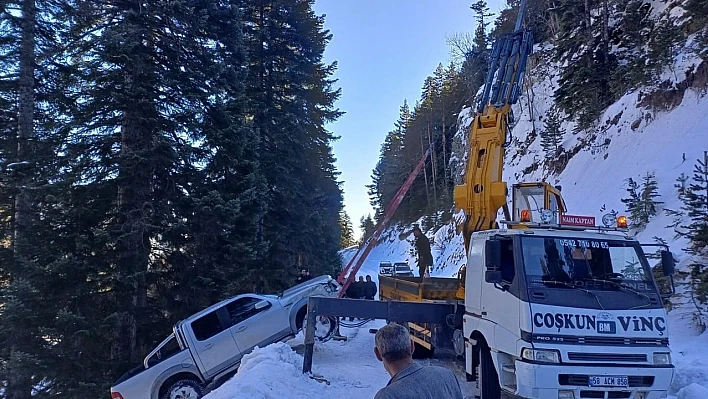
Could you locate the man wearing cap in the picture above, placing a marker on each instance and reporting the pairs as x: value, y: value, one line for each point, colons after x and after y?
x: 410, y: 380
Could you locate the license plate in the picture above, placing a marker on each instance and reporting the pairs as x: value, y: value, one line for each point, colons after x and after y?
x: 608, y: 381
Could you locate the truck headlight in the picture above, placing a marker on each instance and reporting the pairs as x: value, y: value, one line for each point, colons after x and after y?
x: 662, y: 358
x: 541, y: 355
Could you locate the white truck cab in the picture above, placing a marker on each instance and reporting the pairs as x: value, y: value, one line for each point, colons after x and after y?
x: 566, y: 314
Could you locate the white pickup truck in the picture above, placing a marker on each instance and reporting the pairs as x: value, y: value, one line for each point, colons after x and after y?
x: 208, y: 346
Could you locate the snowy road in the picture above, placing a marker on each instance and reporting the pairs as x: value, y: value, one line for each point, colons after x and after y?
x: 352, y: 363
x: 350, y: 369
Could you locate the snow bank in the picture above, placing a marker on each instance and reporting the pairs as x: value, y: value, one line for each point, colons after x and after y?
x: 693, y: 391
x: 272, y: 372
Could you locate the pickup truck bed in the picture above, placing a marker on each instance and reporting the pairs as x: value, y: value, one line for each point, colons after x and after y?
x: 411, y: 289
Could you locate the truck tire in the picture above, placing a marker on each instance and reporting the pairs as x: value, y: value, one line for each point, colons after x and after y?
x: 324, y: 327
x: 184, y: 389
x: 488, y: 379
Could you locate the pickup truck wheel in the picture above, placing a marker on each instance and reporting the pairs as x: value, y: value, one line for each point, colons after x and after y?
x: 324, y: 327
x: 488, y: 379
x: 184, y: 389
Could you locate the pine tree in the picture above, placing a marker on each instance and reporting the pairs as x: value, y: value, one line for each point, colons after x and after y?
x: 30, y: 104
x: 584, y: 87
x: 633, y: 202
x: 642, y: 201
x: 367, y: 226
x: 552, y: 134
x: 650, y: 193
x: 291, y: 100
x: 345, y: 224
x: 677, y: 215
x: 696, y: 208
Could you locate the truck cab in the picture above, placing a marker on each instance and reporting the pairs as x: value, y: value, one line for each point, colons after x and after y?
x: 564, y: 313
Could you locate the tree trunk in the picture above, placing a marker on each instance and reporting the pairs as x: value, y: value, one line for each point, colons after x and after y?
x: 26, y: 122
x: 134, y: 202
x: 19, y: 377
x: 444, y: 142
x: 425, y: 172
x: 434, y: 168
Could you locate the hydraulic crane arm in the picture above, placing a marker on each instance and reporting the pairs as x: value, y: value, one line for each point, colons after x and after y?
x: 484, y: 192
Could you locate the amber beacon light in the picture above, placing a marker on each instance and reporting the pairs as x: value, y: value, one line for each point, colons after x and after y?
x: 622, y: 222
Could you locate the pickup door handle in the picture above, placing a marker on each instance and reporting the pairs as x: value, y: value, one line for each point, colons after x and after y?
x: 208, y: 346
x: 241, y: 328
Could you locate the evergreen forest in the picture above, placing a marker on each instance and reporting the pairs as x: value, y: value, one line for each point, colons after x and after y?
x: 155, y: 157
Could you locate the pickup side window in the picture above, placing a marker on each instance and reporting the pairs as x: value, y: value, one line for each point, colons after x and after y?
x: 168, y: 350
x: 242, y: 309
x: 207, y: 326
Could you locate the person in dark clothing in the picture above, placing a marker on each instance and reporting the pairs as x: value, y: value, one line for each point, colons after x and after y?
x: 304, y: 276
x: 370, y: 291
x: 361, y: 288
x: 353, y: 290
x: 422, y: 245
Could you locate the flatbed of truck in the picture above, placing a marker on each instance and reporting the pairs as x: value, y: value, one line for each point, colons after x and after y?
x: 411, y: 289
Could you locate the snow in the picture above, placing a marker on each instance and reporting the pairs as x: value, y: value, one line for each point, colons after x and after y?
x: 347, y: 369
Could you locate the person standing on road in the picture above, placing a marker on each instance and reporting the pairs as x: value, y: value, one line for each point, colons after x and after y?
x: 370, y: 291
x: 410, y: 380
x: 422, y: 245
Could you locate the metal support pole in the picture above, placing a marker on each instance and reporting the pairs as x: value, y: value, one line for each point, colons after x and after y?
x: 396, y: 311
x: 310, y: 335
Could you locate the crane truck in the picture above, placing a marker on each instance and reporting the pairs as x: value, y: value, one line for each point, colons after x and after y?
x: 549, y: 305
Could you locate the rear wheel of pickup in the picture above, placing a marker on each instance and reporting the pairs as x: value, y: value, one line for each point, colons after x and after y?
x: 488, y: 379
x: 184, y: 389
x: 324, y: 327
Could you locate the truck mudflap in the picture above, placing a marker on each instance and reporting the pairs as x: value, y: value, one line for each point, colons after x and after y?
x: 555, y: 381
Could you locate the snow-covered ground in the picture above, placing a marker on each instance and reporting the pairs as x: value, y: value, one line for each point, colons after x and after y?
x: 345, y: 370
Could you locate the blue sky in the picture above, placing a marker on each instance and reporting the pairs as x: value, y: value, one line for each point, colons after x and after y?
x: 385, y: 49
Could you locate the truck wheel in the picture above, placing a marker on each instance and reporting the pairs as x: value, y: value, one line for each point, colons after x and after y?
x: 184, y: 389
x: 458, y: 342
x: 324, y: 327
x: 488, y: 379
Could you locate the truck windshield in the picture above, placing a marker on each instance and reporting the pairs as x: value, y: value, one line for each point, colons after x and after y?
x: 590, y: 263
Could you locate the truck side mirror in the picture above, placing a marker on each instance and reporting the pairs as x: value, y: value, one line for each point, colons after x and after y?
x: 667, y: 263
x: 262, y: 305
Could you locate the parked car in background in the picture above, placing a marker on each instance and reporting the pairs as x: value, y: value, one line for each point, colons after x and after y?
x: 207, y: 348
x: 402, y: 269
x: 385, y: 268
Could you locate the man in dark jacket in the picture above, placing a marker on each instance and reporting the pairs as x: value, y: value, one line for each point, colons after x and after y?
x: 370, y: 291
x: 304, y: 276
x: 422, y: 245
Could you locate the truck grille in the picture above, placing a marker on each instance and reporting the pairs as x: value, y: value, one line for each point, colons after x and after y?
x: 635, y: 381
x: 607, y: 357
x: 601, y: 341
x: 601, y: 394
